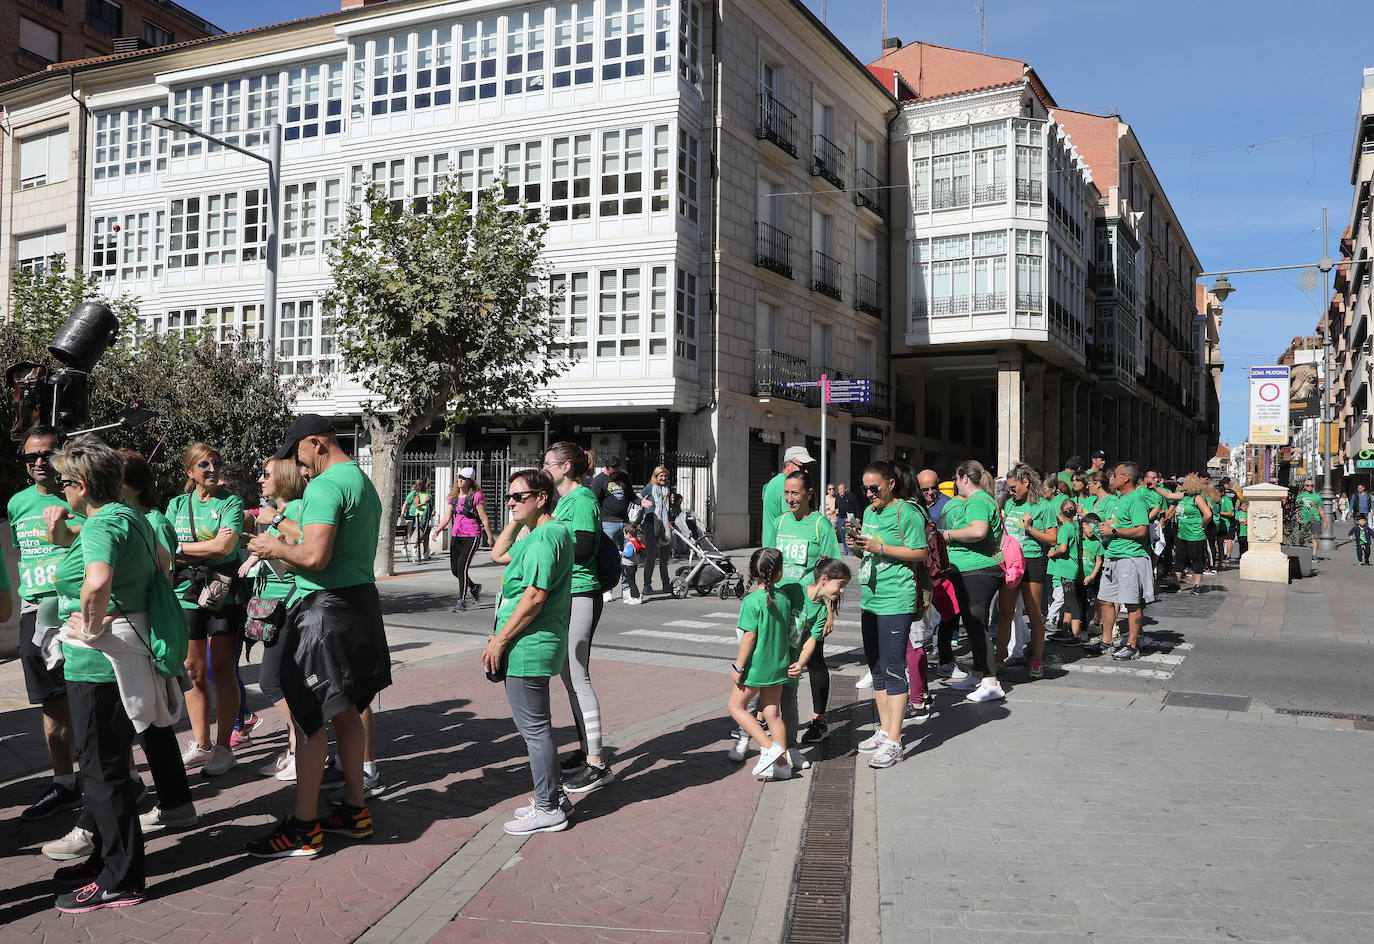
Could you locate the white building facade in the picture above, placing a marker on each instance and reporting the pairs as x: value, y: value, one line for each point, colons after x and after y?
x: 650, y: 140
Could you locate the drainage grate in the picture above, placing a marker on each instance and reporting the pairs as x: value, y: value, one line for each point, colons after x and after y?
x: 818, y: 902
x: 1335, y: 715
x: 1203, y: 700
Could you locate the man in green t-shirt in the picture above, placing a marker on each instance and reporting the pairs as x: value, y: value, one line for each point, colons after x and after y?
x: 1073, y: 466
x: 1127, y: 573
x: 38, y: 560
x: 336, y: 658
x: 774, y: 506
x: 1310, y: 510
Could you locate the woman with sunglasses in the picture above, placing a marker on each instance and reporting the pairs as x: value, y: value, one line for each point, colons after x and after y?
x: 974, y: 536
x: 208, y: 519
x: 283, y: 488
x: 530, y: 643
x: 892, y: 542
x: 1032, y: 518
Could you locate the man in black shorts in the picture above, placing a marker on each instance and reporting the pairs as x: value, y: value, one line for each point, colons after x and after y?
x: 336, y: 658
x: 38, y: 560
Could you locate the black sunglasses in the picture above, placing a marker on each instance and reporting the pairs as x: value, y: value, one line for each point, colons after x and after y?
x: 204, y: 464
x: 872, y: 489
x: 523, y: 496
x: 32, y: 458
x: 67, y: 483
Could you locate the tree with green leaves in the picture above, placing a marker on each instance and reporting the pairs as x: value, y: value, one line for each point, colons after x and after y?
x: 439, y: 312
x: 218, y: 392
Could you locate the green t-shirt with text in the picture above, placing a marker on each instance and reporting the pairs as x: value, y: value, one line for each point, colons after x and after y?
x: 1044, y: 516
x: 1092, y: 550
x: 343, y: 496
x: 121, y: 537
x: 222, y: 510
x: 542, y: 559
x: 772, y: 622
x: 1129, y: 511
x: 808, y: 621
x: 803, y: 543
x: 580, y: 511
x: 1189, y: 519
x: 960, y: 513
x: 888, y: 585
x: 38, y: 559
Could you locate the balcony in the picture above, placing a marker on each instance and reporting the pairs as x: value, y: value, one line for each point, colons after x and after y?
x: 990, y: 301
x: 939, y: 307
x: 868, y: 191
x: 946, y: 198
x: 772, y: 249
x: 777, y: 123
x: 868, y: 296
x: 1029, y: 301
x: 773, y: 369
x: 827, y: 160
x: 825, y: 275
x: 1030, y: 191
x: 990, y: 193
x: 879, y: 407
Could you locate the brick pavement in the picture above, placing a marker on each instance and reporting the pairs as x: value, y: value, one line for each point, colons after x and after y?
x: 658, y: 849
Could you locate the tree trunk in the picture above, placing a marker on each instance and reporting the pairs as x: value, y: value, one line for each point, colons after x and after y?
x: 387, y: 443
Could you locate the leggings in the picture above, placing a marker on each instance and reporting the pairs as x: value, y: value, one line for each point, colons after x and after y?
x: 577, y: 678
x: 269, y: 670
x: 885, y: 649
x: 655, y: 550
x: 460, y: 553
x: 975, y: 590
x: 917, y: 664
x: 819, y: 674
x: 529, y: 707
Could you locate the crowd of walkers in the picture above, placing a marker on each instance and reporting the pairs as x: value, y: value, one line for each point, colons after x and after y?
x: 132, y: 616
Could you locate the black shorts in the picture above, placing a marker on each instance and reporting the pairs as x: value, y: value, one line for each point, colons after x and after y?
x: 202, y: 624
x: 1036, y: 569
x: 1190, y: 555
x: 336, y: 655
x: 44, y: 684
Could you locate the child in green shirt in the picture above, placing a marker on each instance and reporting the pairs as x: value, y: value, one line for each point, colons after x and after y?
x: 1066, y: 577
x: 765, y: 625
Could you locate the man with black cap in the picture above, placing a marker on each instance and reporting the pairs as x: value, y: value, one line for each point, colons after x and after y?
x: 1099, y: 462
x: 336, y: 657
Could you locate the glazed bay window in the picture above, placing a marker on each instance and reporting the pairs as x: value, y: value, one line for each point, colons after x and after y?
x: 663, y: 164
x: 949, y: 169
x: 624, y: 26
x: 1030, y: 160
x: 688, y: 177
x: 689, y: 43
x: 305, y: 339
x: 1030, y: 250
x: 949, y: 271
x: 685, y: 320
x: 619, y: 309
x: 989, y: 163
x: 428, y: 171
x: 477, y: 59
x: 990, y: 271
x: 524, y: 169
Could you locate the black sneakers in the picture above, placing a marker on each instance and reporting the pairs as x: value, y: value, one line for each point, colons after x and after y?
x: 56, y: 799
x: 589, y: 778
x: 815, y: 732
x: 291, y: 837
x: 92, y: 898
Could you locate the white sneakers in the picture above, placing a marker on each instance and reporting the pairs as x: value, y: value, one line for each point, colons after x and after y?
x: 75, y: 844
x: 871, y: 744
x: 865, y: 682
x: 633, y: 601
x: 951, y: 671
x: 195, y: 755
x: 287, y: 771
x: 221, y: 761
x: 887, y: 754
x: 988, y: 690
x: 179, y: 817
x: 740, y: 749
x: 768, y: 758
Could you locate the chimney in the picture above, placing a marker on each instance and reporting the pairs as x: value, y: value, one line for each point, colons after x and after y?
x: 889, y: 44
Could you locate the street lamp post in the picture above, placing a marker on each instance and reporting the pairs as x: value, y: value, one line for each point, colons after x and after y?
x: 273, y: 162
x: 1222, y: 289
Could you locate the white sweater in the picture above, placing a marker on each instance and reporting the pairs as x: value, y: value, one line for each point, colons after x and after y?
x: 149, y: 698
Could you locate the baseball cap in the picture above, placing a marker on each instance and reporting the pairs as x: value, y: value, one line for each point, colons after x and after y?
x: 797, y: 454
x: 1099, y: 454
x: 467, y: 472
x: 309, y: 424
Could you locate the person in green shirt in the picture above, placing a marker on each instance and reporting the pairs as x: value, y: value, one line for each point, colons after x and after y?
x: 336, y: 658
x: 37, y: 567
x: 774, y: 506
x: 283, y: 488
x: 1226, y: 523
x: 1191, y: 515
x: 1243, y: 525
x: 805, y: 536
x: 103, y: 576
x: 1032, y: 520
x: 1092, y: 564
x: 761, y: 666
x: 1310, y: 510
x: 1066, y: 577
x: 1128, y: 574
x: 422, y: 513
x: 892, y: 543
x: 973, y: 533
x: 529, y: 642
x: 208, y: 519
x: 567, y: 465
x: 1071, y: 468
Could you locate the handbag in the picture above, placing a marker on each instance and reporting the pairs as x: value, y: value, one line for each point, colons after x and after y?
x: 216, y: 589
x: 266, y: 617
x: 1011, y: 558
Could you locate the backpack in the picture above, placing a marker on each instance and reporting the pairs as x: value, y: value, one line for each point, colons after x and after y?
x: 607, y: 563
x: 937, y: 553
x: 168, y: 635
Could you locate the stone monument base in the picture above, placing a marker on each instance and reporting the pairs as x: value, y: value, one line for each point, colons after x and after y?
x: 1269, y: 568
x: 1265, y: 560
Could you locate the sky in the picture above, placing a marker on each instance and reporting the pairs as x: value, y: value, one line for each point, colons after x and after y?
x: 1209, y: 88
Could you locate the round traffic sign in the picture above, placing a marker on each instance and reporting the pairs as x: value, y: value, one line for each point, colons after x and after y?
x: 1269, y: 392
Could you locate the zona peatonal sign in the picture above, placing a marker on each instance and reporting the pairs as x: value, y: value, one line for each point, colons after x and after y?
x: 1269, y: 406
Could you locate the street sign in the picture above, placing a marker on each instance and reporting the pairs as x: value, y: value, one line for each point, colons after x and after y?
x: 851, y: 391
x: 1269, y: 406
x: 1364, y: 459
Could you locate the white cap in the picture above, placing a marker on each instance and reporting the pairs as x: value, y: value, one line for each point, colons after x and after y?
x: 467, y: 472
x: 797, y: 454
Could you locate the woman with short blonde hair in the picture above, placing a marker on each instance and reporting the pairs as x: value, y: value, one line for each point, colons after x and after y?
x: 657, y: 527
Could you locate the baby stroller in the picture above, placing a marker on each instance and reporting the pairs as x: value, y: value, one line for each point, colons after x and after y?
x: 707, y: 568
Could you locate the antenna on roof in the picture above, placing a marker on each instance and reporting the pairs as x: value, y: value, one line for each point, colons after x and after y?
x: 884, y: 45
x: 825, y: 10
x: 983, y: 26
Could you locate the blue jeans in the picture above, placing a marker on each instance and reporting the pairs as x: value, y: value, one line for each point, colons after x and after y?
x: 885, y: 650
x: 615, y: 530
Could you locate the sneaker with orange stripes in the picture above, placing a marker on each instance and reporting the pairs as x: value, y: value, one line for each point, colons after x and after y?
x: 355, y: 822
x: 290, y: 838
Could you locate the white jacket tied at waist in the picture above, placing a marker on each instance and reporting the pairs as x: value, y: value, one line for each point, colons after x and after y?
x: 149, y: 697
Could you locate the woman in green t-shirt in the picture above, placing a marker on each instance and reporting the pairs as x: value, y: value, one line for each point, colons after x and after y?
x: 567, y: 464
x: 283, y: 488
x: 530, y: 641
x: 1191, y: 515
x: 892, y: 543
x: 103, y: 576
x: 1032, y: 520
x: 805, y: 536
x: 760, y: 668
x: 974, y: 537
x: 208, y: 519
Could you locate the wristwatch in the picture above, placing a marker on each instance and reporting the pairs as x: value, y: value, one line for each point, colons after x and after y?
x: 277, y: 519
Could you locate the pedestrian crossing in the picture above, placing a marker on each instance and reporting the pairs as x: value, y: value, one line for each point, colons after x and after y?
x: 1157, y: 664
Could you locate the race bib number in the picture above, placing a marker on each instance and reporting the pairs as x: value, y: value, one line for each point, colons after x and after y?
x: 37, y: 576
x: 794, y: 551
x: 866, y: 569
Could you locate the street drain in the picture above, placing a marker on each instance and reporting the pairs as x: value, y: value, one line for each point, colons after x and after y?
x: 1203, y: 700
x: 1334, y: 715
x: 818, y: 902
